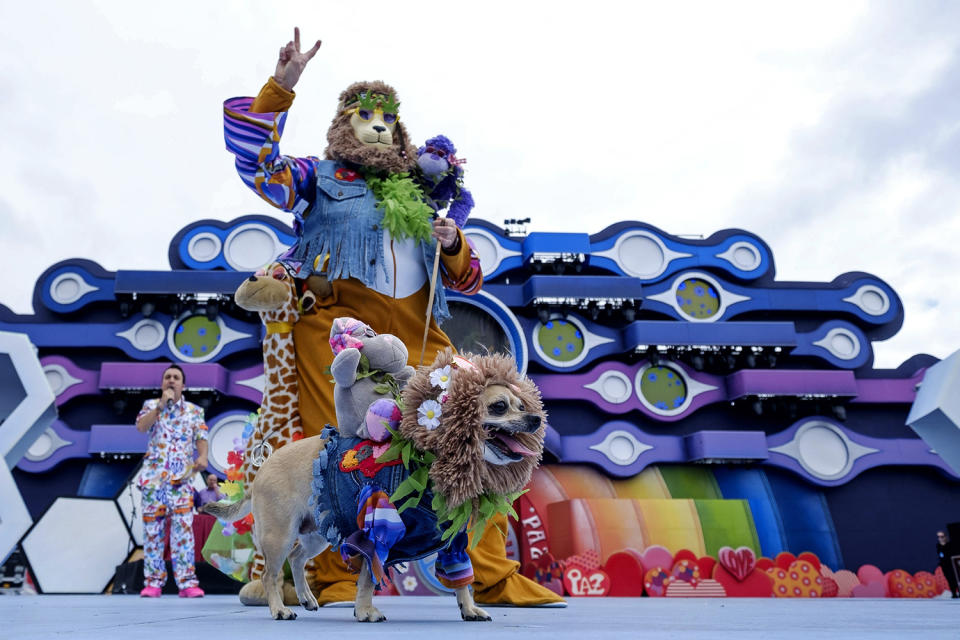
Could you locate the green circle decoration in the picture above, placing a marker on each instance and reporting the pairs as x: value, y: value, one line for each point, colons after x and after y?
x: 196, y: 336
x: 697, y: 298
x: 560, y: 341
x: 663, y: 388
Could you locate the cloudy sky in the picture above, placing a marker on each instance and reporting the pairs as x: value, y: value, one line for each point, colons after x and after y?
x: 829, y: 129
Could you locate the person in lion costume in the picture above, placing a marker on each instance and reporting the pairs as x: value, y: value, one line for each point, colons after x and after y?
x: 366, y: 247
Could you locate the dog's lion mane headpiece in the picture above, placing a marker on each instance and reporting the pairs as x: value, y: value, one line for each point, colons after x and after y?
x: 460, y: 472
x: 343, y: 145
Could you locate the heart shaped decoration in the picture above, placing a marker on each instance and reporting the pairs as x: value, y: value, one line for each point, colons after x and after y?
x: 757, y: 585
x: 869, y: 573
x: 702, y: 589
x: 738, y: 562
x: 845, y: 580
x: 686, y: 570
x: 578, y: 582
x: 875, y: 589
x: 799, y: 580
x: 830, y: 587
x: 656, y: 582
x: 784, y: 559
x: 656, y: 556
x: 902, y: 585
x: 588, y: 559
x: 626, y: 573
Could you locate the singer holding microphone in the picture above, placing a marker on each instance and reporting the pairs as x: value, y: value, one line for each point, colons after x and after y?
x: 178, y: 434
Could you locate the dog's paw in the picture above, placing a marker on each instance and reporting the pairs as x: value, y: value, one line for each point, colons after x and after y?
x: 473, y: 613
x: 368, y: 614
x: 309, y: 602
x: 283, y: 614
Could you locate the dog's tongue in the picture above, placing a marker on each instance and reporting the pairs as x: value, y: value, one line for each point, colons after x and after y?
x: 513, y: 445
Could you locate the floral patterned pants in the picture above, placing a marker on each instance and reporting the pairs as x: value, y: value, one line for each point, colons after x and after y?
x: 158, y: 502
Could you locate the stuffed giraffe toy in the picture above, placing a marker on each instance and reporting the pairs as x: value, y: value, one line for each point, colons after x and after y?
x: 272, y: 292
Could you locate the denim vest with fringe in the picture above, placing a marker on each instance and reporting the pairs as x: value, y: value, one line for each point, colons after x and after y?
x: 345, y: 224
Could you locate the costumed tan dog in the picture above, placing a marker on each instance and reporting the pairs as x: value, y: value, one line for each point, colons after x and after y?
x: 469, y: 439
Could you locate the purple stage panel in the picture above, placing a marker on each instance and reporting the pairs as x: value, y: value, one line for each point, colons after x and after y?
x: 146, y: 375
x: 788, y: 382
x: 889, y: 390
x: 726, y: 445
x: 117, y: 438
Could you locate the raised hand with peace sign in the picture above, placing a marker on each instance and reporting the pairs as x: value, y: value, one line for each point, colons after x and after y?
x: 292, y: 62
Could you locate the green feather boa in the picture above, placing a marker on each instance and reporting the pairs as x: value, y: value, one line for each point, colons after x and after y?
x: 405, y: 214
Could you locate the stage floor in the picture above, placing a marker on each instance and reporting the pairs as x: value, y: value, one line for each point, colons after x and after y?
x: 427, y: 618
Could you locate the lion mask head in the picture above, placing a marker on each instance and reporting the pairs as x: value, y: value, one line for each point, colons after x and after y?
x: 366, y: 130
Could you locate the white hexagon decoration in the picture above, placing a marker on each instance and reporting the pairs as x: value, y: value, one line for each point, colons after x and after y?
x: 641, y: 254
x: 27, y: 408
x: 76, y: 545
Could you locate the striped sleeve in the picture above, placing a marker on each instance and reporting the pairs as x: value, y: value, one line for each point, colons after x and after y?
x: 285, y: 182
x: 379, y: 527
x: 461, y: 272
x: 453, y: 567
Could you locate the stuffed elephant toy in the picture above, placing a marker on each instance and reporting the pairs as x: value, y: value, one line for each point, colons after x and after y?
x: 369, y: 370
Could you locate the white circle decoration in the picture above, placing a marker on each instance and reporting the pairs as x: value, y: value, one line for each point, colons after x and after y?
x: 590, y: 340
x: 613, y: 386
x: 727, y: 298
x: 41, y: 447
x: 145, y: 335
x: 486, y: 250
x: 822, y: 450
x: 642, y: 256
x: 69, y: 287
x: 621, y: 447
x: 870, y: 299
x: 251, y: 246
x: 841, y: 343
x: 221, y: 437
x: 742, y: 255
x: 204, y: 247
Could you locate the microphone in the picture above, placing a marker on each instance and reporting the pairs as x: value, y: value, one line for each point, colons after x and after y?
x: 169, y: 403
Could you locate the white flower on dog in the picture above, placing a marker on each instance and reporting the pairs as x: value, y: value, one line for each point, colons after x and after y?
x: 429, y: 412
x: 409, y: 583
x: 440, y: 377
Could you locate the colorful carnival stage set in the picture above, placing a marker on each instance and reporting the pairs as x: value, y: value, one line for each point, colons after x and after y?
x: 713, y: 431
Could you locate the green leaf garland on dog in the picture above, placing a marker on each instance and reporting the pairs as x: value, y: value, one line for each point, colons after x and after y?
x: 481, y: 508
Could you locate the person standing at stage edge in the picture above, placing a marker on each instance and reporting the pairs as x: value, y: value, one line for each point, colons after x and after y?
x: 945, y: 551
x: 177, y: 433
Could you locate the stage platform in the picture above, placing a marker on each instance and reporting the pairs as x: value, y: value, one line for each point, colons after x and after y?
x: 429, y: 618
